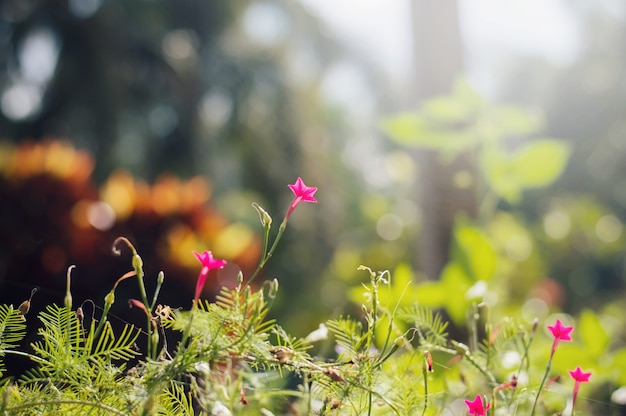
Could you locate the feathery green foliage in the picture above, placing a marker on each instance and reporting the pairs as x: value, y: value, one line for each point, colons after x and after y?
x: 429, y: 325
x: 12, y: 330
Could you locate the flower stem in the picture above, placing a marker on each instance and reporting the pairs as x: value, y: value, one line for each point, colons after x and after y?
x: 425, y: 372
x: 576, y: 386
x: 543, y: 381
x: 266, y: 255
x: 108, y: 409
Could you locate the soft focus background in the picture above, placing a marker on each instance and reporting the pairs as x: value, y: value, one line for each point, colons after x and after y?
x: 164, y: 120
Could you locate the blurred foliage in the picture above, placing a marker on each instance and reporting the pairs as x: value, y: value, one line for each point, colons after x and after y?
x: 464, y: 123
x: 170, y: 94
x: 160, y: 93
x: 527, y: 255
x: 53, y: 215
x: 500, y: 262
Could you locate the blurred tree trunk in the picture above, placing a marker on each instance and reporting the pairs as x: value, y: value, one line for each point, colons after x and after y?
x: 438, y: 54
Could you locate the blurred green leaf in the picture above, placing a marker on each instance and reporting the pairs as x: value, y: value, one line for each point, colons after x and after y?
x: 454, y: 283
x: 473, y: 258
x: 595, y: 338
x: 497, y: 169
x: 514, y: 120
x: 570, y: 355
x: 415, y: 130
x: 462, y: 106
x: 473, y: 252
x: 541, y: 162
x: 447, y: 110
x: 534, y: 165
x: 431, y: 293
x: 618, y: 365
x: 412, y: 129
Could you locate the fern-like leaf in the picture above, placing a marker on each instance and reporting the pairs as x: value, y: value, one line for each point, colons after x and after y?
x: 65, y: 352
x: 176, y: 401
x: 505, y: 333
x: 12, y: 330
x: 349, y: 335
x: 117, y: 348
x: 430, y: 327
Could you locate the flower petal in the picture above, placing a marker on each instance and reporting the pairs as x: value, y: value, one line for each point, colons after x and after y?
x: 561, y: 332
x: 579, y: 375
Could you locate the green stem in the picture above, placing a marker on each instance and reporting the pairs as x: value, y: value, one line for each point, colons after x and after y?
x: 525, y: 356
x: 474, y: 326
x: 25, y: 354
x: 187, y: 330
x: 372, y: 334
x: 266, y: 256
x: 378, y: 395
x: 109, y: 409
x: 138, y: 266
x: 543, y: 381
x: 466, y: 354
x: 103, y: 319
x: 157, y: 291
x: 425, y: 372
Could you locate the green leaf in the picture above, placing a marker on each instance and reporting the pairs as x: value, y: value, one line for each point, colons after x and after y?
x: 496, y: 166
x: 447, y: 110
x: 618, y: 363
x: 513, y: 120
x: 12, y: 330
x: 12, y: 327
x: 540, y: 162
x: 431, y: 326
x: 473, y: 252
x: 570, y: 355
x: 460, y: 107
x: 594, y: 336
x: 455, y: 283
x: 411, y: 129
x: 534, y: 165
x: 432, y: 294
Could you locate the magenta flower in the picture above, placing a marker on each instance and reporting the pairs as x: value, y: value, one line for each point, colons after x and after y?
x: 302, y: 193
x: 208, y: 263
x: 560, y: 333
x: 580, y: 377
x: 476, y: 407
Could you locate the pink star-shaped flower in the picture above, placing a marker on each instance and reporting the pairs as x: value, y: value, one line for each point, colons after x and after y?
x: 208, y: 263
x: 476, y: 407
x: 302, y: 193
x: 580, y: 377
x: 560, y: 333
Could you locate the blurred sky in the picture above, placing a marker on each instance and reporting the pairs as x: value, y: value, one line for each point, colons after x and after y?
x: 492, y: 31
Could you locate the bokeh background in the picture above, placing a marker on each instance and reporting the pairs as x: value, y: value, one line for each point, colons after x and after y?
x: 162, y: 121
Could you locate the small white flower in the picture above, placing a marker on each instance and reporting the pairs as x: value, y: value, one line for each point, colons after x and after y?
x: 319, y: 334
